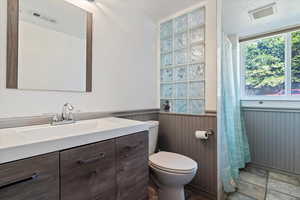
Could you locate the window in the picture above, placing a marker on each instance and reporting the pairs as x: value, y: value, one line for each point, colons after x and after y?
x: 295, y: 63
x: 182, y: 66
x: 271, y: 67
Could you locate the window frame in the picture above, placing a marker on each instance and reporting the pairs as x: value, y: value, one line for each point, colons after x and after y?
x: 288, y: 71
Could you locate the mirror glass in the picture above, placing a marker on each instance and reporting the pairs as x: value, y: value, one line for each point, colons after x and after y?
x: 52, y: 46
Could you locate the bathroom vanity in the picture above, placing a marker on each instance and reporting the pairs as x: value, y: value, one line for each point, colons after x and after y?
x: 103, y: 159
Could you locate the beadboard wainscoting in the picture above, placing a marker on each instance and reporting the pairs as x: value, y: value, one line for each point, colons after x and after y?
x: 274, y: 137
x: 177, y: 134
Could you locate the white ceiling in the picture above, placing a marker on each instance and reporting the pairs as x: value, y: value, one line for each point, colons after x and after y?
x: 236, y: 19
x: 157, y: 10
x: 160, y: 9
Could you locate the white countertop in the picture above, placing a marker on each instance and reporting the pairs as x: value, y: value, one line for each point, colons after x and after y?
x: 25, y: 142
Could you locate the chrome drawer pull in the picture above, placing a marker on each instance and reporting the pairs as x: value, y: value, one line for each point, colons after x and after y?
x: 19, y: 181
x: 92, y: 160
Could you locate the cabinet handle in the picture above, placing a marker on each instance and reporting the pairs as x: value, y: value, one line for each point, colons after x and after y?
x: 133, y: 146
x: 19, y: 181
x: 92, y: 160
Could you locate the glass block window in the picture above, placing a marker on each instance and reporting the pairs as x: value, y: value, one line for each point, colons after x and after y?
x: 182, y: 63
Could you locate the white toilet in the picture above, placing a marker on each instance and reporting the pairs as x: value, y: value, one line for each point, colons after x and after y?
x: 170, y: 171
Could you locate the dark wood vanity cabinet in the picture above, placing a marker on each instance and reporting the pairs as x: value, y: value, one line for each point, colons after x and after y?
x: 34, y: 178
x: 88, y: 172
x: 132, y: 167
x: 115, y: 169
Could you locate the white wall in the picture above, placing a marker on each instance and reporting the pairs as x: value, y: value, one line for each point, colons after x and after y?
x: 124, y: 60
x: 211, y: 55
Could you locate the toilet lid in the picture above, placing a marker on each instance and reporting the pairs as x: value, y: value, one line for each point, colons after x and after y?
x: 172, y: 162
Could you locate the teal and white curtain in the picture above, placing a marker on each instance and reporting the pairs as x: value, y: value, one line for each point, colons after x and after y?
x: 234, y: 143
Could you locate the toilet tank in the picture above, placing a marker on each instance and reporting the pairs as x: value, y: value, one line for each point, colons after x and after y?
x: 153, y: 135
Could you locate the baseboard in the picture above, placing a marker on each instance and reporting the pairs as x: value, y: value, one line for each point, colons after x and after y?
x: 272, y: 169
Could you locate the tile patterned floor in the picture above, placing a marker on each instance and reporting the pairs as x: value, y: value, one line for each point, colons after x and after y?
x: 258, y: 184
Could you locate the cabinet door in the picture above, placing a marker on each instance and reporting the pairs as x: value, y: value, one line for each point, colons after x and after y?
x: 88, y: 172
x: 132, y: 167
x: 34, y: 178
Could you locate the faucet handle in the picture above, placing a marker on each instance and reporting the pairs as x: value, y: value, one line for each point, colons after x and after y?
x: 69, y: 106
x: 66, y: 111
x: 55, y: 118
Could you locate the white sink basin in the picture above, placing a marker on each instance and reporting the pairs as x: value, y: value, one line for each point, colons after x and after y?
x: 52, y: 132
x: 18, y: 143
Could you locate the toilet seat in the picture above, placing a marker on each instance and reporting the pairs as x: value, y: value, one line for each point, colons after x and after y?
x: 170, y: 170
x: 172, y: 163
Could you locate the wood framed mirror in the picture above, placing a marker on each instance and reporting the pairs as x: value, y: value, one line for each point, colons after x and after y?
x: 49, y: 46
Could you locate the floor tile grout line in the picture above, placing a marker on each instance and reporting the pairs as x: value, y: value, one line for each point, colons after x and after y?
x: 247, y: 195
x: 277, y: 179
x: 287, y: 194
x: 250, y: 182
x: 267, y: 183
x: 265, y: 187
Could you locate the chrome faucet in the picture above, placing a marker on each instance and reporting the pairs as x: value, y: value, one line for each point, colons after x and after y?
x: 67, y: 112
x: 66, y: 117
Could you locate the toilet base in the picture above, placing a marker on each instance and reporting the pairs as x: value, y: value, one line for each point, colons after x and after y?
x: 171, y: 183
x: 174, y: 193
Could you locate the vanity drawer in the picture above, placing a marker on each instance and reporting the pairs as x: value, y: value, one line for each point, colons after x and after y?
x: 88, y: 172
x: 132, y: 167
x: 132, y: 146
x: 34, y: 178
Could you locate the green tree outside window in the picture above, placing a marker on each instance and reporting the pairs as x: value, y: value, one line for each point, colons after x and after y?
x: 265, y: 65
